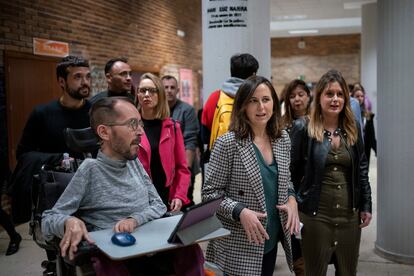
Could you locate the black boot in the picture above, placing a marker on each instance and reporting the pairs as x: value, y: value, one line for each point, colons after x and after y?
x: 14, y: 245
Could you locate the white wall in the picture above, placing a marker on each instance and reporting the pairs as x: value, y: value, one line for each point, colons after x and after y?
x: 219, y: 44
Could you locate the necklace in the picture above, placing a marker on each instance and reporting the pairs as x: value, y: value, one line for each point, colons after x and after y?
x: 335, y: 133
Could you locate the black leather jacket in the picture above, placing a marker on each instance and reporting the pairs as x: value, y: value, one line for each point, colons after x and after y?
x: 308, y: 158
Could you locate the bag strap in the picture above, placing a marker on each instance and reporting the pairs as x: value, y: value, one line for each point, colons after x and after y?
x: 175, y: 128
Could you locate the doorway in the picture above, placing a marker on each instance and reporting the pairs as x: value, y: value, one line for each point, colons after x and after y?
x: 30, y: 80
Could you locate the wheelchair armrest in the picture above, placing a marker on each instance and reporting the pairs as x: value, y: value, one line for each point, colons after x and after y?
x: 171, y: 214
x: 83, y: 254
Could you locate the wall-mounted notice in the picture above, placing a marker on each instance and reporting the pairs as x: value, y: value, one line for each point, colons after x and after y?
x: 46, y: 47
x: 227, y: 14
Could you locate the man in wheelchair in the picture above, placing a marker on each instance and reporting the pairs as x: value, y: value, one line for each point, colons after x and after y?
x: 114, y: 191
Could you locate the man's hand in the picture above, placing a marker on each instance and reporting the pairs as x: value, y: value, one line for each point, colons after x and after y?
x: 75, y: 231
x: 291, y: 208
x: 176, y: 204
x: 366, y: 219
x: 252, y: 226
x: 126, y: 225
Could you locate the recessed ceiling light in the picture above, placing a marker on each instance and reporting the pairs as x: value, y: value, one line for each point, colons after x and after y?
x: 303, y: 32
x: 289, y: 17
x: 357, y: 5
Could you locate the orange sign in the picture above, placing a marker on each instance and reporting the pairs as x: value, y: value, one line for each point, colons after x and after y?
x: 47, y: 47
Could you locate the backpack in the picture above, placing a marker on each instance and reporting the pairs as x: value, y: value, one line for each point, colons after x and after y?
x: 222, y: 115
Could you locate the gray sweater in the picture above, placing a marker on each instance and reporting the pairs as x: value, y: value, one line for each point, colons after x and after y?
x: 101, y: 193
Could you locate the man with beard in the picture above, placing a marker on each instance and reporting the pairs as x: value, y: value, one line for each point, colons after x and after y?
x: 42, y: 141
x: 119, y: 79
x: 114, y: 191
x: 44, y: 128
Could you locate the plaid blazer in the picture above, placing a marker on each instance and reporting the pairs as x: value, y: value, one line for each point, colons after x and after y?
x: 234, y: 172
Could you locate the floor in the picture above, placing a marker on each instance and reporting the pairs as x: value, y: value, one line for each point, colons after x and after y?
x: 27, y: 260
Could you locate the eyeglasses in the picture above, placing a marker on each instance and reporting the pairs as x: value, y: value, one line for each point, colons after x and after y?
x: 151, y: 90
x: 132, y: 124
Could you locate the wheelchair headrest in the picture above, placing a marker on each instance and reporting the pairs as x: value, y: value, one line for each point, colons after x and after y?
x: 81, y: 140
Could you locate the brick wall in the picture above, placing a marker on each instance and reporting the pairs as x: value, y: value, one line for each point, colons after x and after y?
x: 320, y: 54
x: 143, y: 31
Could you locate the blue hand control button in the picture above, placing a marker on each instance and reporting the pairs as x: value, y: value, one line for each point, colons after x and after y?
x: 123, y: 239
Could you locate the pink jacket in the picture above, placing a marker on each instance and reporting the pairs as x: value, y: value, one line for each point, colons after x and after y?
x: 173, y: 159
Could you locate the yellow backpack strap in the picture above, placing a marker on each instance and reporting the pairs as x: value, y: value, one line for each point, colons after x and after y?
x: 220, y: 125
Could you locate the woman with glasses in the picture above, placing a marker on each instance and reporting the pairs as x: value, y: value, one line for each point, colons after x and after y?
x: 329, y: 167
x: 162, y: 151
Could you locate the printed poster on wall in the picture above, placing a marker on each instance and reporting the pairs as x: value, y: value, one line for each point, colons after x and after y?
x: 226, y: 14
x: 186, y: 86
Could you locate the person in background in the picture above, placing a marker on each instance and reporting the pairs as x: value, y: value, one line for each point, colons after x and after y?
x: 15, y: 238
x: 119, y: 80
x: 5, y: 219
x: 242, y: 66
x: 297, y: 104
x: 5, y: 173
x: 186, y: 116
x: 42, y: 140
x: 249, y: 166
x: 162, y: 151
x: 330, y: 171
x: 370, y: 141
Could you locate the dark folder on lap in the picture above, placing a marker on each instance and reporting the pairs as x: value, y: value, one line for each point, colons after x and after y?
x: 196, y: 222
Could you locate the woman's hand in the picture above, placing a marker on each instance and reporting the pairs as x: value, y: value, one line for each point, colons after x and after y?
x: 176, y: 204
x: 366, y: 219
x: 252, y: 226
x: 291, y: 208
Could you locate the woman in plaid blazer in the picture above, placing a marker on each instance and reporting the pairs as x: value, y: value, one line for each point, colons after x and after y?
x: 249, y: 165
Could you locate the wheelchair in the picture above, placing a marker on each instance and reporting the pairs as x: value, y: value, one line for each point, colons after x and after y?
x: 49, y: 184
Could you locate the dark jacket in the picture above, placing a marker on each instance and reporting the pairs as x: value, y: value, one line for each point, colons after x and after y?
x: 308, y: 158
x: 369, y: 135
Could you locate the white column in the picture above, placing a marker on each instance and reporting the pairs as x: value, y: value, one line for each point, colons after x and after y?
x: 231, y: 27
x: 369, y: 52
x: 395, y: 238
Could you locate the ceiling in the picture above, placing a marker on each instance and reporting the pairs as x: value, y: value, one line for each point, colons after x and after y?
x: 315, y: 17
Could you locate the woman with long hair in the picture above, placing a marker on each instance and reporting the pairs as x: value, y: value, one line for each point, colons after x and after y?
x: 249, y: 165
x: 330, y: 170
x: 297, y: 98
x: 370, y: 141
x: 162, y: 151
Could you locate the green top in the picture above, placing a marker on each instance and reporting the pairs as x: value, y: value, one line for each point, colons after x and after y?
x: 338, y: 172
x: 269, y: 175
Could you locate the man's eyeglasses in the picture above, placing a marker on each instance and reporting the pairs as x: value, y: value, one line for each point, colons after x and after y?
x: 151, y: 90
x: 132, y: 124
